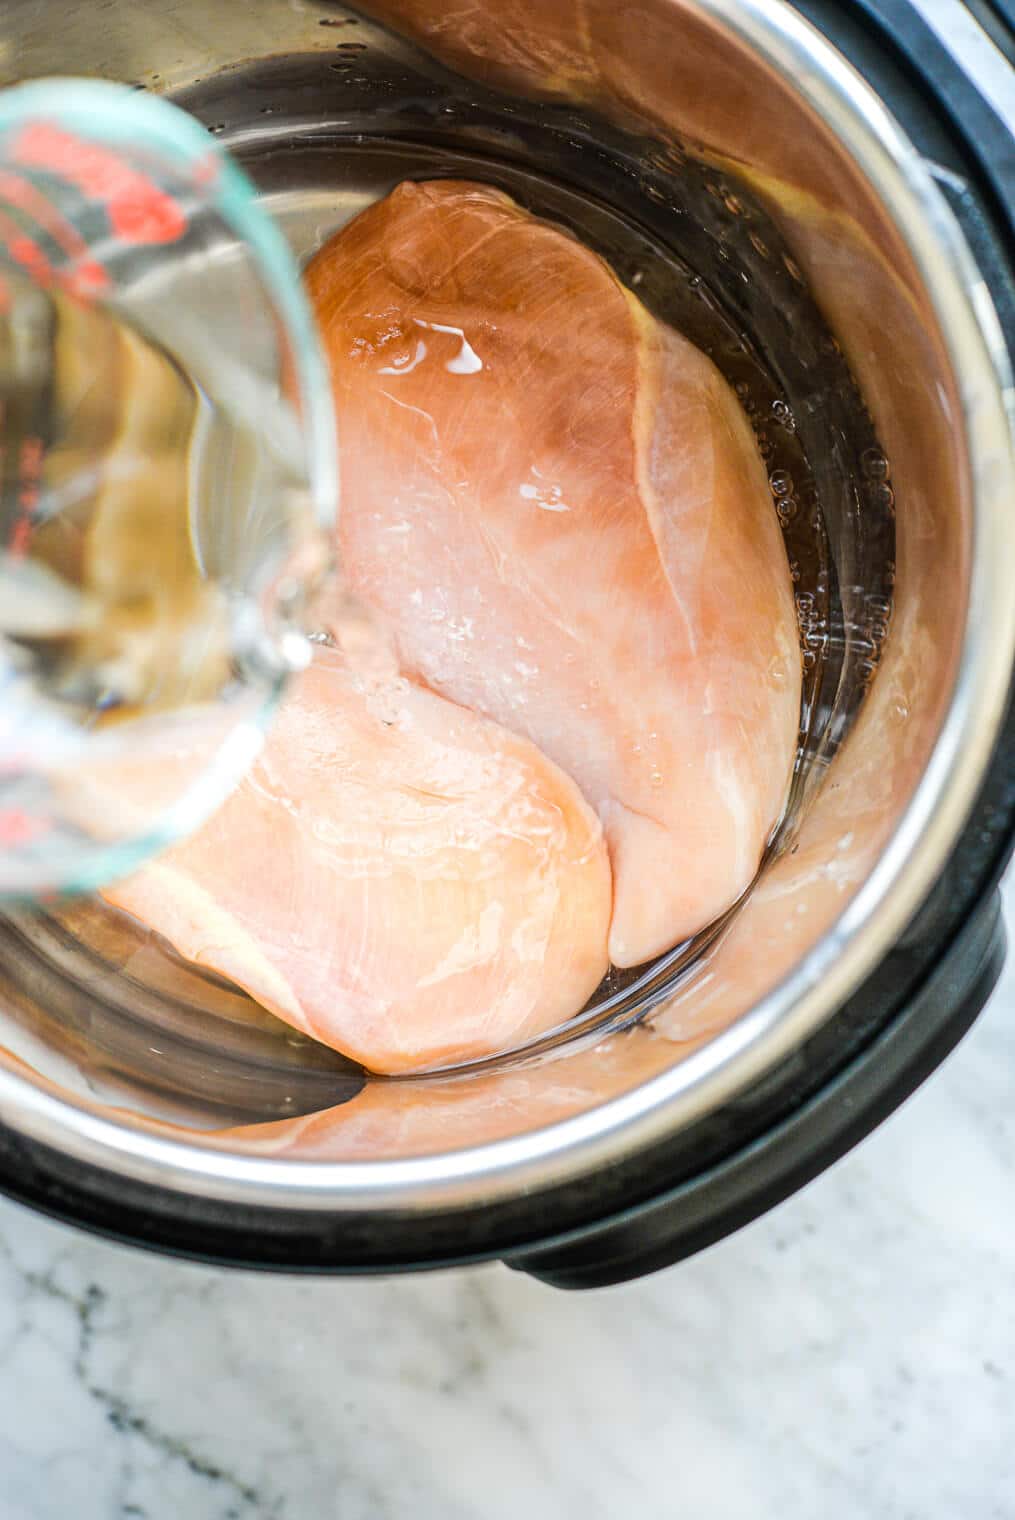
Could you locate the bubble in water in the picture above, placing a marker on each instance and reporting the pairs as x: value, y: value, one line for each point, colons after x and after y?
x: 668, y: 157
x: 781, y: 482
x: 786, y: 508
x: 884, y: 497
x: 734, y: 206
x: 793, y: 269
x: 782, y: 414
x: 874, y: 464
x: 760, y: 247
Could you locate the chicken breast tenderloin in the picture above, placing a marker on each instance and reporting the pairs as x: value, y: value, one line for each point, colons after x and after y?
x: 397, y: 877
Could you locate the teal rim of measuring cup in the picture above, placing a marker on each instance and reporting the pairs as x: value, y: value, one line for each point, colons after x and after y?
x: 120, y: 116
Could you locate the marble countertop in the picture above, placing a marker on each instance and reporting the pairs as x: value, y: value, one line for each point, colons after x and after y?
x: 850, y: 1355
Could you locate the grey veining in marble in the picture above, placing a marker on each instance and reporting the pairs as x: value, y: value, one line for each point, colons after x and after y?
x: 851, y: 1356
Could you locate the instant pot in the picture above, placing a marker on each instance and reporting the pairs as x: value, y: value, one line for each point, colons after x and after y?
x: 837, y: 182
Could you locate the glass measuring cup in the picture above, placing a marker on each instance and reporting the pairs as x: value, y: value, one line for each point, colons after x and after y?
x: 167, y: 479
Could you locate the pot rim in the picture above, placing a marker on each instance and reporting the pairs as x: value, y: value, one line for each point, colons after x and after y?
x: 910, y: 864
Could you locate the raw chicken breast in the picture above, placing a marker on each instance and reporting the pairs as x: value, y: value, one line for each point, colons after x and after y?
x: 558, y: 506
x: 397, y: 877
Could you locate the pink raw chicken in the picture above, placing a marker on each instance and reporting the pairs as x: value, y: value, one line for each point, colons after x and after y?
x: 559, y: 508
x: 397, y: 877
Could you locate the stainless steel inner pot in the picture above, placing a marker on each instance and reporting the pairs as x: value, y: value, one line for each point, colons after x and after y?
x: 769, y: 117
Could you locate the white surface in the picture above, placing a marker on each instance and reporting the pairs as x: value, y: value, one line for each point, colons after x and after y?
x: 849, y: 1357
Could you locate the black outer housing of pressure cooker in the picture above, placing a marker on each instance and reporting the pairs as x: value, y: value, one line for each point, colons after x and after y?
x: 661, y: 1205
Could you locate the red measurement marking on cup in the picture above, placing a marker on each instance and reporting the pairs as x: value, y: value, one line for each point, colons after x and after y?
x: 85, y: 275
x: 20, y: 192
x: 18, y: 828
x: 138, y: 210
x: 84, y: 279
x: 25, y: 251
x: 29, y: 473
